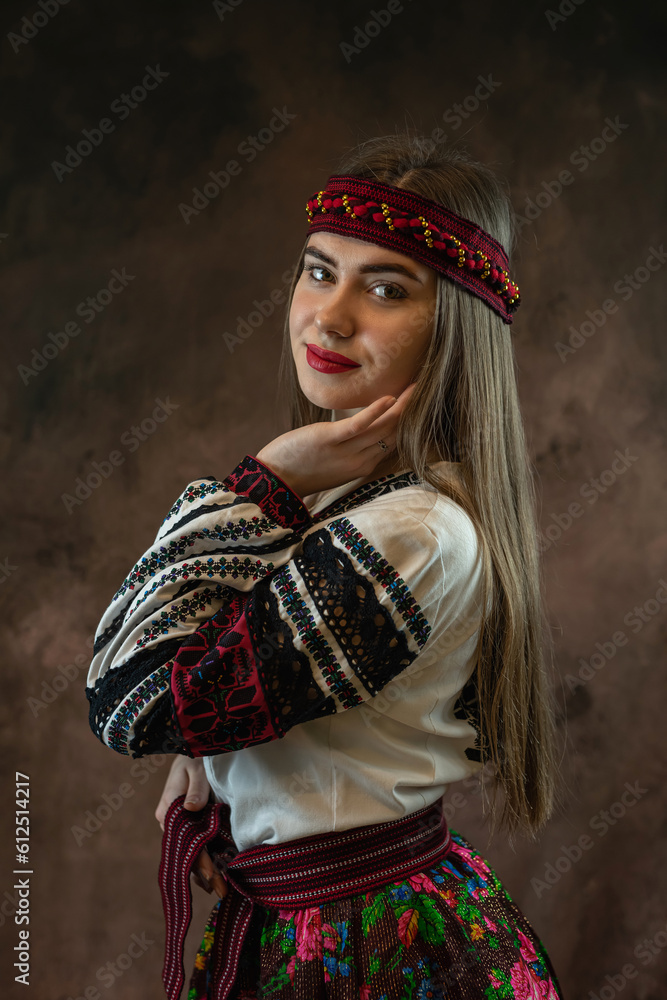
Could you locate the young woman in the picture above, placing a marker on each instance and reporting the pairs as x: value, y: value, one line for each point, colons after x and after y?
x: 351, y: 621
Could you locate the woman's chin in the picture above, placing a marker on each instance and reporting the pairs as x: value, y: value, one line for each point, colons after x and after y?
x: 337, y: 399
x: 344, y: 391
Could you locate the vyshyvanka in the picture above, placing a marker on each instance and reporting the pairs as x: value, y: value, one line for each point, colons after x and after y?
x: 320, y: 658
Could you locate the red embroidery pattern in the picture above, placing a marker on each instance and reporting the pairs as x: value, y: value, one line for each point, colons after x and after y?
x: 274, y: 497
x: 218, y: 698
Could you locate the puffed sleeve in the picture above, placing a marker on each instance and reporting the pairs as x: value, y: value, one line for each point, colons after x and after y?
x: 347, y: 611
x: 217, y: 539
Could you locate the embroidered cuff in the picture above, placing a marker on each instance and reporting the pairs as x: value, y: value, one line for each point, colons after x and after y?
x: 253, y: 479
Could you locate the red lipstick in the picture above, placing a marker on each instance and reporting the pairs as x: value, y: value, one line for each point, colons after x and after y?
x: 328, y: 361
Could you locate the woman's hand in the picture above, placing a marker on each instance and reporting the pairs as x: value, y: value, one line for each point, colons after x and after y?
x: 327, y: 454
x: 187, y: 777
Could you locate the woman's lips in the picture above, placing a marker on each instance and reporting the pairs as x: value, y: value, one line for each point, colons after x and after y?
x: 328, y: 361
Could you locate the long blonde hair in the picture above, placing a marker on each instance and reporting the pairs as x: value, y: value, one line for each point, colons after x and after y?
x: 466, y: 408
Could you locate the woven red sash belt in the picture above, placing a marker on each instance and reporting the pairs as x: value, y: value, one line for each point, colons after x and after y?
x: 295, y: 875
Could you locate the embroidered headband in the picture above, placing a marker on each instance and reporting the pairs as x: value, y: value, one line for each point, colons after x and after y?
x: 422, y: 229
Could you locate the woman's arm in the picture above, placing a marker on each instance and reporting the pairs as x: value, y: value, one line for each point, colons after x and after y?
x: 218, y: 538
x: 324, y: 632
x: 223, y: 651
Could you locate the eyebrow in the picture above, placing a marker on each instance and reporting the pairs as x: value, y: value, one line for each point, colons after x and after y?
x: 389, y: 265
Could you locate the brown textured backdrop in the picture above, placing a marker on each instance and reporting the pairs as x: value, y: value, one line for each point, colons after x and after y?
x: 554, y: 76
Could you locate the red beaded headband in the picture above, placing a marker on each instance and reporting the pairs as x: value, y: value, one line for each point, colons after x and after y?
x: 422, y: 229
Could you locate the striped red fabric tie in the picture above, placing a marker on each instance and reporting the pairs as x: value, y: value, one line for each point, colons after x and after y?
x: 294, y: 875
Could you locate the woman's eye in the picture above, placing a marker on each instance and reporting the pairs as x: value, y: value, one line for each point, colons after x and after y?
x: 394, y: 291
x: 387, y: 290
x: 312, y: 268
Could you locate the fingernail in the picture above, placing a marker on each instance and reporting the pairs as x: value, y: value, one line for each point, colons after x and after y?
x: 203, y: 881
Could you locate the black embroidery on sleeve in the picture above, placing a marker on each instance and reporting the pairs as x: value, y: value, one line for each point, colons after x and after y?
x: 374, y: 647
x: 113, y: 687
x: 291, y: 691
x: 158, y: 731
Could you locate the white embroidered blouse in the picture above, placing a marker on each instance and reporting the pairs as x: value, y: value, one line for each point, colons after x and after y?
x: 319, y: 657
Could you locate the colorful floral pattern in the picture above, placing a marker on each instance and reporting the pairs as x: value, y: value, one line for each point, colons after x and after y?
x: 451, y: 932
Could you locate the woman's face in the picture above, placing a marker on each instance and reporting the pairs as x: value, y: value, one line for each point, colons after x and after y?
x: 372, y: 307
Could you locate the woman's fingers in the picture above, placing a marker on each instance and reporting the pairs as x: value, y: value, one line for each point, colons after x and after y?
x: 186, y: 777
x: 176, y: 784
x: 326, y: 454
x: 388, y: 407
x: 219, y: 885
x: 397, y: 408
x: 198, y: 791
x: 200, y: 879
x: 385, y: 421
x: 207, y: 875
x: 360, y: 422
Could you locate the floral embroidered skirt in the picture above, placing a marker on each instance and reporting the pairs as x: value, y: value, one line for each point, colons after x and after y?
x: 450, y: 931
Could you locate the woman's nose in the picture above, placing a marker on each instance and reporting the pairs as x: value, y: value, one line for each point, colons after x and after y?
x: 336, y: 314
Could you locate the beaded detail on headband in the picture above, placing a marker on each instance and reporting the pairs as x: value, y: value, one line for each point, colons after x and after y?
x: 423, y: 229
